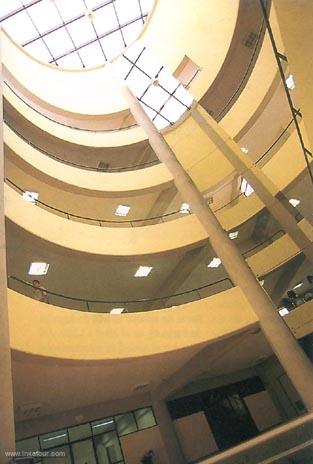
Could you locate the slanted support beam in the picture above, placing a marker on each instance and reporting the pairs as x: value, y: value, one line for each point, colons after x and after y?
x: 285, y: 346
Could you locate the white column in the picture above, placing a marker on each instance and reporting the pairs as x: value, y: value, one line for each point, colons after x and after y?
x: 7, y: 434
x: 285, y: 346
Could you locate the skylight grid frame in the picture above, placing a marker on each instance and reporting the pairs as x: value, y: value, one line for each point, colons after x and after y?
x: 153, y: 78
x: 141, y: 16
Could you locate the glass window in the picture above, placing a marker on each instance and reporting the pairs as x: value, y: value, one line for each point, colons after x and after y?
x: 108, y: 448
x: 102, y: 425
x: 145, y: 418
x: 60, y: 455
x: 50, y: 440
x: 83, y: 452
x: 125, y: 423
x: 79, y: 432
x: 30, y: 444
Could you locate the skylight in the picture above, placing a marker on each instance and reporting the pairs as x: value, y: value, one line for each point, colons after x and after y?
x: 164, y: 99
x: 38, y: 269
x: 122, y: 210
x: 74, y: 33
x: 143, y: 271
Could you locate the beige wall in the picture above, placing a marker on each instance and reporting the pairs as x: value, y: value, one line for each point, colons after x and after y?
x: 79, y: 336
x: 195, y: 436
x: 135, y: 445
x: 263, y: 411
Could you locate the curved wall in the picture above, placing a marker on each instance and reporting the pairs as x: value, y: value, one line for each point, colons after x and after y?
x: 88, y: 336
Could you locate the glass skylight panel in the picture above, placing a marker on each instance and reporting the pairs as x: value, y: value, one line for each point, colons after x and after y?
x: 20, y: 27
x: 105, y: 20
x: 91, y: 54
x: 154, y: 87
x: 70, y: 61
x: 8, y: 6
x: 71, y: 9
x: 132, y: 31
x: 45, y: 15
x: 59, y: 42
x: 81, y: 31
x: 112, y: 44
x: 126, y: 10
x: 39, y: 50
x: 116, y: 22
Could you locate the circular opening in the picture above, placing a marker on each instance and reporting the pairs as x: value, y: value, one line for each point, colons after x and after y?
x: 76, y: 33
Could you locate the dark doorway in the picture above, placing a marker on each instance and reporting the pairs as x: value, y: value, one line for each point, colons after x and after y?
x: 229, y: 419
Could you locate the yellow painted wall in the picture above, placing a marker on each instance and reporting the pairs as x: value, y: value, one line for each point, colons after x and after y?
x: 78, y: 335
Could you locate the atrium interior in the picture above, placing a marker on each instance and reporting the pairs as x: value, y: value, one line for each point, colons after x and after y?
x: 156, y: 212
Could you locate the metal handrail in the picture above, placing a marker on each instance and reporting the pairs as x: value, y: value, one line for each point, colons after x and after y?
x: 81, y: 166
x: 87, y: 302
x: 98, y: 221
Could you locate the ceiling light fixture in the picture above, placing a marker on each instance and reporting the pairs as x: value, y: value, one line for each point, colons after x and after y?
x: 294, y: 202
x: 290, y: 82
x: 246, y: 188
x: 143, y: 271
x: 31, y: 197
x: 185, y: 208
x: 117, y: 310
x: 38, y: 269
x: 283, y: 311
x: 216, y: 262
x: 298, y: 285
x: 122, y: 210
x: 244, y: 150
x: 233, y: 235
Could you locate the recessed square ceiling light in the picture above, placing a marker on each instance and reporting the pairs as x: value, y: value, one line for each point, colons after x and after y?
x: 143, y: 271
x: 185, y: 208
x: 246, y: 188
x: 31, y: 197
x: 233, y: 235
x: 216, y: 262
x: 298, y: 285
x: 290, y: 82
x: 38, y: 268
x: 294, y: 202
x: 245, y: 150
x: 122, y: 210
x: 117, y: 310
x: 283, y: 311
